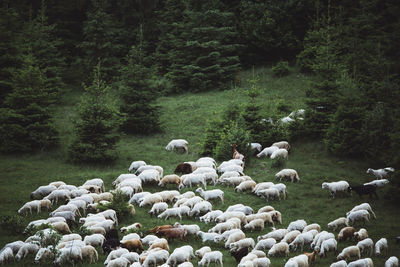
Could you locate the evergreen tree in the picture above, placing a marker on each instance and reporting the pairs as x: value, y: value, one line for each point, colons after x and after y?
x: 96, y: 127
x: 137, y: 96
x: 26, y: 123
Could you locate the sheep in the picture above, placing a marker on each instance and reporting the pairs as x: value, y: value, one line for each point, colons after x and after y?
x: 115, y: 254
x: 28, y: 206
x: 380, y: 173
x: 207, y: 236
x: 173, y: 212
x: 158, y: 208
x: 297, y: 225
x: 235, y: 236
x: 61, y: 227
x: 132, y: 245
x: 335, y: 187
x: 231, y: 168
x: 188, y: 180
x: 255, y: 224
x: 209, y: 257
x: 367, y: 262
x: 246, y: 242
x: 131, y: 257
x: 240, y: 207
x: 381, y: 246
x: 150, y: 167
x: 346, y: 232
x: 328, y: 245
x: 262, y: 186
x: 57, y: 183
x: 301, y: 240
x: 291, y: 236
x: 282, y: 144
x: 149, y: 176
x: 229, y: 174
x: 227, y: 215
x: 130, y: 227
x: 359, y: 215
x: 265, y: 244
x: 364, y: 190
x: 204, y: 162
x: 42, y: 191
x: 170, y: 179
x: 245, y: 185
x: 57, y: 195
x: 261, y: 262
x: 150, y: 200
x: 211, y: 194
x: 319, y: 238
x: 138, y: 197
x: 191, y: 229
x: 135, y: 184
x: 222, y: 227
x: 256, y: 147
x: 281, y: 248
x: 118, y: 262
x: 361, y: 234
x: 270, y: 193
x: 90, y: 252
x: 156, y: 257
x: 148, y: 238
x: 366, y: 244
x: 95, y: 240
x: 341, y: 263
x: 71, y: 254
x: 265, y: 209
x: 392, y: 262
x: 123, y: 177
x: 168, y: 195
x: 363, y: 206
x: 178, y: 144
x: 180, y: 254
x: 299, y: 260
x: 313, y: 226
x: 349, y: 252
x: 200, y: 252
x: 288, y: 173
x: 210, y: 216
x: 136, y: 165
x: 234, y: 181
x: 26, y: 249
x: 342, y: 221
x: 185, y: 264
x: 277, y: 234
x: 267, y: 151
x: 6, y: 255
x: 280, y: 153
x: 184, y: 168
x: 97, y: 182
x: 69, y: 207
x: 68, y: 215
x: 160, y: 243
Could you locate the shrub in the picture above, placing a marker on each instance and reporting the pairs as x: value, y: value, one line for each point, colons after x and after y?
x: 12, y: 224
x: 119, y: 203
x: 281, y: 69
x: 82, y: 231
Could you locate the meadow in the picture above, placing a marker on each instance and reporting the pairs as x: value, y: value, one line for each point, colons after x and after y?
x: 185, y: 116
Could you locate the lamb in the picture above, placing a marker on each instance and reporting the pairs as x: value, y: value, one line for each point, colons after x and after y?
x: 136, y: 165
x: 281, y: 248
x: 265, y: 244
x: 267, y: 151
x: 381, y: 246
x: 299, y: 260
x: 342, y: 221
x: 211, y: 194
x: 347, y: 232
x: 282, y: 144
x: 42, y: 191
x: 209, y: 257
x: 328, y: 245
x: 363, y: 206
x: 207, y: 236
x: 280, y: 153
x: 170, y: 179
x: 158, y: 208
x: 245, y: 185
x: 188, y: 180
x: 246, y: 242
x: 380, y: 173
x: 341, y: 263
x: 335, y: 187
x: 270, y: 193
x: 200, y: 252
x: 178, y: 144
x: 349, y: 252
x: 361, y: 234
x: 297, y: 225
x: 392, y: 262
x: 288, y: 173
x: 359, y: 215
x: 255, y: 224
x: 366, y: 244
x: 367, y: 262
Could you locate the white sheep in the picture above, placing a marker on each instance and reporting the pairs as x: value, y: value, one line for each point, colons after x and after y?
x: 291, y: 236
x: 174, y: 212
x: 168, y: 195
x: 70, y: 237
x: 366, y: 244
x: 68, y: 215
x: 265, y: 244
x: 281, y: 248
x: 95, y: 240
x: 57, y: 195
x: 229, y: 174
x: 358, y: 215
x: 240, y: 207
x: 261, y: 262
x: 201, y: 208
x: 234, y: 181
x: 301, y: 240
x: 191, y: 229
x: 339, y: 222
x: 211, y: 194
x: 319, y: 238
x: 209, y: 257
x: 115, y: 254
x: 299, y: 260
x: 138, y: 197
x: 277, y: 234
x: 188, y: 180
x: 97, y: 182
x: 179, y: 255
x: 130, y: 227
x: 341, y: 263
x: 313, y: 226
x: 349, y: 252
x: 262, y: 186
x: 378, y: 183
x: 184, y: 264
x: 131, y: 257
x: 147, y: 239
x: 149, y: 176
x: 210, y: 216
x: 367, y: 262
x: 288, y: 174
x: 150, y: 167
x: 282, y: 144
x: 267, y: 152
x: 297, y: 225
x: 207, y: 236
x: 255, y: 147
x: 29, y: 206
x: 134, y: 183
x: 245, y: 185
x: 225, y: 235
x: 270, y: 193
x: 69, y: 255
x: 381, y: 246
x: 265, y: 209
x: 361, y: 234
x: 392, y: 262
x: 230, y: 214
x: 42, y: 191
x: 156, y: 257
x: 381, y: 173
x: 200, y: 252
x: 6, y: 255
x: 178, y: 144
x: 230, y: 168
x: 255, y: 224
x: 150, y: 200
x: 222, y: 227
x: 233, y: 237
x: 123, y: 177
x: 363, y: 206
x: 118, y: 262
x: 136, y: 165
x: 242, y: 243
x: 335, y: 187
x: 158, y: 207
x: 328, y: 245
x: 280, y: 153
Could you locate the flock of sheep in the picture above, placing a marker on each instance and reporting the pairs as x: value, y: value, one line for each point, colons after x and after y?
x: 226, y: 227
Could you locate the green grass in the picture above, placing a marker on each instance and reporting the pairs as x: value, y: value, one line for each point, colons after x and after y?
x: 185, y: 116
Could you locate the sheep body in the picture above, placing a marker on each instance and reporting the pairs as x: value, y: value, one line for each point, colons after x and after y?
x: 42, y: 191
x: 178, y: 144
x: 209, y: 257
x: 358, y: 215
x: 136, y: 165
x: 211, y: 194
x: 255, y: 224
x: 346, y: 232
x: 328, y: 245
x: 288, y: 173
x: 279, y: 153
x: 265, y: 244
x: 342, y: 221
x: 281, y: 248
x: 270, y: 193
x: 282, y: 144
x: 361, y: 234
x: 203, y: 250
x: 366, y: 244
x: 381, y: 246
x: 367, y: 262
x: 380, y: 173
x: 158, y: 208
x: 267, y: 151
x: 392, y: 262
x: 378, y: 183
x: 341, y: 263
x: 335, y: 187
x: 245, y: 185
x: 297, y: 225
x: 349, y: 252
x: 363, y: 206
x: 246, y: 242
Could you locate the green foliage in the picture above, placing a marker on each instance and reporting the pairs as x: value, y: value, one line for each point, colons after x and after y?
x: 82, y: 231
x: 50, y: 240
x: 12, y: 224
x: 26, y: 122
x: 281, y: 69
x: 278, y: 163
x: 212, y: 136
x: 141, y: 115
x: 120, y: 204
x: 96, y: 128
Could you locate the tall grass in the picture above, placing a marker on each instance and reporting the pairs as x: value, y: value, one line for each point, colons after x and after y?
x: 184, y: 116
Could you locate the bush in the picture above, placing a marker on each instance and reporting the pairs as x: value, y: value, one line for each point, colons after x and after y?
x: 12, y: 224
x: 278, y: 163
x: 281, y: 69
x: 119, y: 203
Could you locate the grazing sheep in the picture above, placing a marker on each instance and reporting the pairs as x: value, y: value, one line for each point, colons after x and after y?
x: 381, y: 246
x: 364, y: 190
x: 301, y: 240
x: 342, y: 221
x: 179, y: 255
x: 341, y: 263
x: 178, y: 144
x: 125, y: 176
x: 361, y: 234
x: 313, y: 226
x: 279, y: 249
x: 158, y: 207
x: 261, y: 262
x: 57, y: 195
x: 380, y: 173
x: 200, y: 252
x: 328, y: 245
x: 367, y: 262
x: 291, y: 236
x: 69, y: 255
x: 359, y: 215
x: 366, y: 244
x: 97, y: 182
x: 282, y: 144
x: 267, y: 151
x: 265, y: 244
x: 151, y: 200
x: 297, y: 225
x: 118, y: 262
x: 210, y: 216
x: 95, y: 240
x: 150, y: 176
x: 288, y: 173
x: 255, y: 224
x: 133, y: 245
x: 346, y: 232
x: 174, y: 212
x: 266, y: 209
x: 170, y: 179
x: 392, y: 262
x: 277, y: 234
x: 191, y: 229
x: 335, y: 187
x: 207, y: 236
x: 262, y: 186
x: 319, y: 238
x: 209, y: 257
x: 6, y: 255
x: 188, y: 180
x: 240, y: 254
x: 184, y: 168
x: 233, y: 237
x: 150, y: 167
x: 136, y: 165
x: 363, y: 206
x: 156, y: 257
x: 130, y: 227
x: 349, y: 252
x: 270, y: 193
x: 246, y: 242
x: 90, y: 252
x: 115, y: 254
x: 245, y: 185
x: 211, y: 194
x: 231, y: 168
x: 378, y: 183
x: 229, y: 174
x: 299, y: 260
x: 42, y: 191
x: 280, y: 153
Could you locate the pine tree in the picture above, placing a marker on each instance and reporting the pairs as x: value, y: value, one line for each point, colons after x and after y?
x: 137, y: 96
x: 96, y: 127
x: 26, y: 122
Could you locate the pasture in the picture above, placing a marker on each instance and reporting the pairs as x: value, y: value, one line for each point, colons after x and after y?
x: 185, y: 116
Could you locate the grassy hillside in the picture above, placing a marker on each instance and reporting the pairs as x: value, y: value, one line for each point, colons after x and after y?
x: 185, y: 116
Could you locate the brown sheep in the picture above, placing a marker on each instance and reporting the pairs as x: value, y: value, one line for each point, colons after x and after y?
x: 132, y: 245
x: 90, y: 252
x: 61, y: 227
x: 161, y: 243
x: 184, y: 168
x: 346, y: 232
x: 170, y: 179
x: 171, y: 233
x: 160, y: 227
x: 311, y: 256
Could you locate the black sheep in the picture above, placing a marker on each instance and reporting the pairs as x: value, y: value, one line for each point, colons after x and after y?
x: 184, y: 168
x: 364, y: 190
x: 110, y: 244
x: 238, y: 255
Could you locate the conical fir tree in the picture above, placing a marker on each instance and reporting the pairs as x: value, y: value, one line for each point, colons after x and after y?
x: 97, y: 125
x: 137, y: 96
x: 26, y: 123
